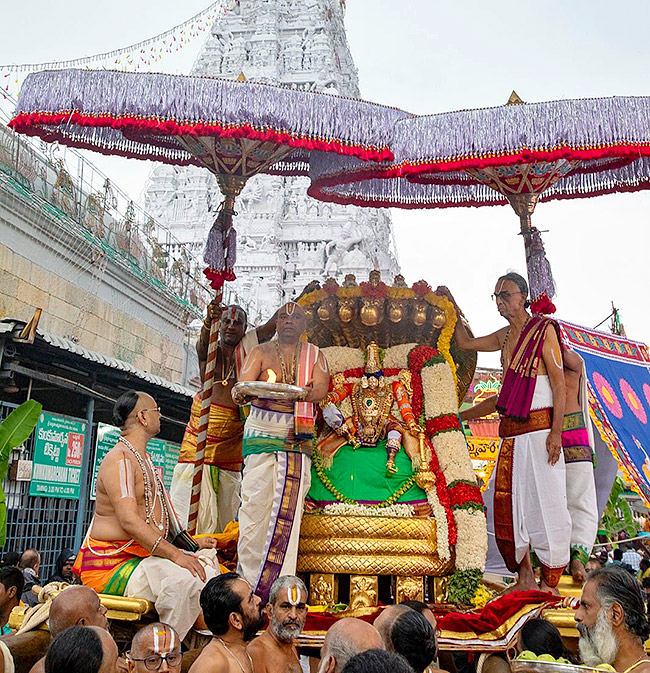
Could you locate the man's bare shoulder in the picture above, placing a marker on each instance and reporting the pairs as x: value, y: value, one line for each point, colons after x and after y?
x: 259, y: 645
x: 114, y: 456
x: 211, y: 660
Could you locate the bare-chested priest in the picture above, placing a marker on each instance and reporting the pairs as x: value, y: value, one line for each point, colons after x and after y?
x: 128, y: 549
x: 221, y: 483
x: 275, y: 650
x: 277, y: 446
x: 530, y: 503
x: 234, y: 615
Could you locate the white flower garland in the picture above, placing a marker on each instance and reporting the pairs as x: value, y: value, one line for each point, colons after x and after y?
x: 472, y: 531
x: 437, y: 379
x: 442, y: 525
x: 439, y: 392
x: 453, y: 456
x: 397, y: 357
x: 342, y: 358
x: 398, y: 510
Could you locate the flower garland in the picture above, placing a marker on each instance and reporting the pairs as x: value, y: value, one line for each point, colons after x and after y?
x: 438, y: 496
x: 421, y: 288
x: 447, y: 332
x: 400, y: 293
x: 317, y: 464
x: 400, y: 510
x: 439, y: 410
x: 372, y: 291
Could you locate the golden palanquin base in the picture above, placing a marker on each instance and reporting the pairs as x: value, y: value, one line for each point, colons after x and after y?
x: 370, y: 545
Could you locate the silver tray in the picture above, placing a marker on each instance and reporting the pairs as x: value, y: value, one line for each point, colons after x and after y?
x: 269, y: 391
x: 536, y: 666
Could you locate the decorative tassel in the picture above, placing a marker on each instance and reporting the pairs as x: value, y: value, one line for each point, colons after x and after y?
x: 540, y: 276
x: 221, y: 250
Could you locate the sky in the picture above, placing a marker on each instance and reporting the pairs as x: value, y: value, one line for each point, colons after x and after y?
x: 428, y: 56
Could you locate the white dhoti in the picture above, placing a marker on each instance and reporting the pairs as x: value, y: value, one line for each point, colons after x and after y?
x: 530, y: 503
x: 219, y: 500
x: 583, y: 508
x: 273, y: 496
x: 173, y: 590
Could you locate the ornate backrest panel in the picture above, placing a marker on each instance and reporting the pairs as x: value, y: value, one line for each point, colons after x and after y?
x: 355, y: 315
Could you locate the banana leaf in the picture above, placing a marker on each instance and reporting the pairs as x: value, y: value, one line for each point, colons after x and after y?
x: 617, y: 515
x: 14, y: 430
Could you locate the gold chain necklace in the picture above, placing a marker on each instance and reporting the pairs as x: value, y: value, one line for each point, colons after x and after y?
x: 232, y: 654
x: 285, y: 377
x: 226, y: 377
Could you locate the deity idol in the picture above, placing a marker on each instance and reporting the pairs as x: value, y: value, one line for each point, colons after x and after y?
x: 372, y: 420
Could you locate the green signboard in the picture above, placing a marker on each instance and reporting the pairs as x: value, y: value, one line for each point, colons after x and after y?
x: 164, y: 454
x: 58, y: 450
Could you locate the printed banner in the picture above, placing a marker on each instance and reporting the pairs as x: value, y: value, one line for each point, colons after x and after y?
x: 58, y: 451
x: 618, y: 374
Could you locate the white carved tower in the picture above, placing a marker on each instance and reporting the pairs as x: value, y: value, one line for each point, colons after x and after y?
x: 286, y: 239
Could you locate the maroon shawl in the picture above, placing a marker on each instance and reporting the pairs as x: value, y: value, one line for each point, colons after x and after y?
x: 516, y: 394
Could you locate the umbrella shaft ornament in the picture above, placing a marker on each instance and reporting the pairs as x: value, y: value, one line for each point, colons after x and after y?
x: 221, y: 247
x: 540, y: 276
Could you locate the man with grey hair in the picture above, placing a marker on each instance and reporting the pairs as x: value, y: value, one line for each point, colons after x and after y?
x: 529, y: 506
x: 612, y: 621
x: 274, y: 651
x: 344, y: 639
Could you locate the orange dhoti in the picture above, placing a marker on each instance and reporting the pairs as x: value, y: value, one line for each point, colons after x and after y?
x: 221, y: 483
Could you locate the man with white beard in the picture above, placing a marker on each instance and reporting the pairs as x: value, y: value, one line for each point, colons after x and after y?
x: 275, y: 650
x: 612, y: 621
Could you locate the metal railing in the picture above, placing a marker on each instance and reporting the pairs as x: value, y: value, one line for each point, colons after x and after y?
x: 84, y: 202
x: 46, y: 524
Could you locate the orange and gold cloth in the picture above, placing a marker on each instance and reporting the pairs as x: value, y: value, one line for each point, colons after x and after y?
x: 223, y: 447
x: 103, y: 568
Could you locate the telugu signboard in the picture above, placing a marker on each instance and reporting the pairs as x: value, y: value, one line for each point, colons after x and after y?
x: 58, y: 452
x: 164, y: 454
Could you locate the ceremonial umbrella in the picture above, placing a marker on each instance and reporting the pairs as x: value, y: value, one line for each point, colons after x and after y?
x: 519, y: 153
x: 235, y: 129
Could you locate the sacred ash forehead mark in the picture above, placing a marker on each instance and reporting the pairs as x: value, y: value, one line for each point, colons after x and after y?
x: 163, y: 640
x: 293, y: 594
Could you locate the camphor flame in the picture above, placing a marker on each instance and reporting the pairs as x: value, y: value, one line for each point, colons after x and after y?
x: 271, y: 376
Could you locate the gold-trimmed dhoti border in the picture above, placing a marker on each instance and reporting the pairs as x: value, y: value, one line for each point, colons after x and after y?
x: 371, y: 545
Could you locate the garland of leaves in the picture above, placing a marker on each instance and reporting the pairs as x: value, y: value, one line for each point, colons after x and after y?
x: 463, y: 585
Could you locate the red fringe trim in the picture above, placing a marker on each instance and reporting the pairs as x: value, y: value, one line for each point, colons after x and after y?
x: 316, y: 192
x: 32, y: 124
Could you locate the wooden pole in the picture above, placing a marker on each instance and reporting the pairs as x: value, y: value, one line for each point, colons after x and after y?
x: 204, y: 418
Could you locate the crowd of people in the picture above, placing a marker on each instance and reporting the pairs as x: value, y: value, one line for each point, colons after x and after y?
x: 403, y: 639
x: 611, y: 619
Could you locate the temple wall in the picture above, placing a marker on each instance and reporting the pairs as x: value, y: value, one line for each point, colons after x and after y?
x: 85, y: 295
